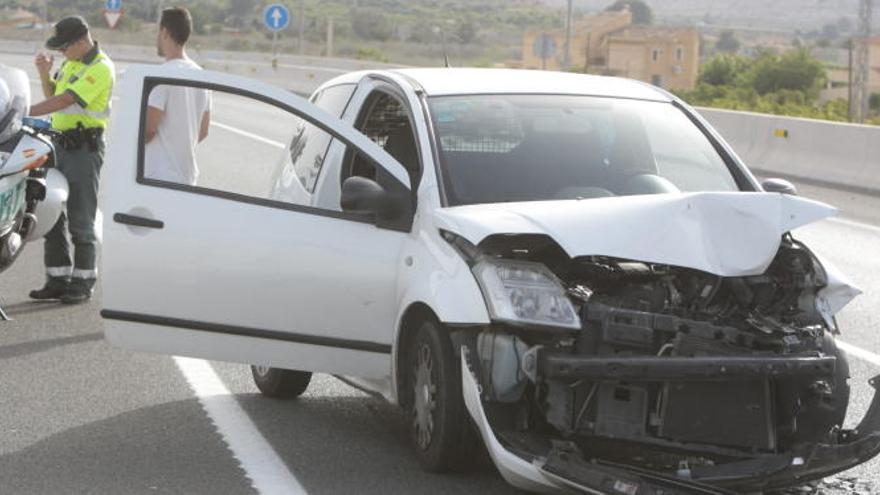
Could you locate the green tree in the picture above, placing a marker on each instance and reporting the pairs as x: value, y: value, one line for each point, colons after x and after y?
x: 727, y: 42
x: 795, y: 70
x: 785, y: 84
x: 723, y: 70
x: 874, y: 102
x: 642, y: 13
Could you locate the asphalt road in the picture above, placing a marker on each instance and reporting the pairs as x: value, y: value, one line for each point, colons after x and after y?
x: 79, y: 416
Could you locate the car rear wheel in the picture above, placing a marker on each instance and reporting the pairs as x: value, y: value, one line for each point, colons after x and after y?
x: 441, y: 432
x: 280, y: 384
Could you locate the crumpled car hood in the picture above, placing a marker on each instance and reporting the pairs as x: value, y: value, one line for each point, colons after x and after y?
x: 728, y: 234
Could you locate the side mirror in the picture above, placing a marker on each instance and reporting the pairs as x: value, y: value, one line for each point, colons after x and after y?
x: 779, y: 186
x: 366, y: 196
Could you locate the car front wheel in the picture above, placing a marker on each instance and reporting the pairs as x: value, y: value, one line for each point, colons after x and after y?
x: 440, y: 429
x: 280, y: 384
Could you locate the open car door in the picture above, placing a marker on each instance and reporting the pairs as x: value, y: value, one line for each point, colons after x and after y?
x: 210, y: 264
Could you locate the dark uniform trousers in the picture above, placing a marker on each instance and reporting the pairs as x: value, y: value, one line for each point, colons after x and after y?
x: 82, y: 168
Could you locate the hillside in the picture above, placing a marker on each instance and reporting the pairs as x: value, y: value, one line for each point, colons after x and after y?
x: 788, y: 15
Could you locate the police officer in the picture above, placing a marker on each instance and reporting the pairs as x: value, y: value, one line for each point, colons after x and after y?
x: 78, y: 97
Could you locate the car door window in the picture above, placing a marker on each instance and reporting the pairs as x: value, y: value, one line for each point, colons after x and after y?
x: 309, y: 145
x: 386, y: 122
x: 254, y: 149
x: 234, y: 153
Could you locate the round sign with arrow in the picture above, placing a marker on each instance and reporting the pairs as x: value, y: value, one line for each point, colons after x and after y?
x: 544, y: 46
x: 276, y: 17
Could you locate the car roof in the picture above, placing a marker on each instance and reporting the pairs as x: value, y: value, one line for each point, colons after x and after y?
x: 456, y: 81
x: 461, y: 81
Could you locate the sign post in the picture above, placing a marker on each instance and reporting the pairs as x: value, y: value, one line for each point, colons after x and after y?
x: 276, y: 17
x: 113, y: 12
x: 544, y: 47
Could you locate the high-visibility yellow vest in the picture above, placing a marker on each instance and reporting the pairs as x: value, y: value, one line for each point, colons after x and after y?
x: 90, y: 82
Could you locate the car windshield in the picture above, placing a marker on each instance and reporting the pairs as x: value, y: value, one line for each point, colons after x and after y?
x: 499, y: 148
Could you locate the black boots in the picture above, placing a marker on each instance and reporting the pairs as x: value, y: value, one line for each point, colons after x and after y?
x: 55, y: 288
x: 79, y: 291
x: 73, y: 291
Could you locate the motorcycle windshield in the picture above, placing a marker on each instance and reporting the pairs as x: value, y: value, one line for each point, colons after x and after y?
x: 14, y: 105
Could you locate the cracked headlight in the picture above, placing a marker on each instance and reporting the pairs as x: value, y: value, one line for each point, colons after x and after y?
x: 525, y: 292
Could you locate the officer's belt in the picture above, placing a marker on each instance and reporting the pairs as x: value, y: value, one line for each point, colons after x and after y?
x: 83, y: 130
x: 74, y: 139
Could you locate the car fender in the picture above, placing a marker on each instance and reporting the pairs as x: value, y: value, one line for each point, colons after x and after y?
x: 434, y: 276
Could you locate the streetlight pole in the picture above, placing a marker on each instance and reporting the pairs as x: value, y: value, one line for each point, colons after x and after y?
x: 862, y: 63
x: 567, y: 56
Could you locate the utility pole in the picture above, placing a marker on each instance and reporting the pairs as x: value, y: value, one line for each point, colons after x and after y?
x: 439, y: 30
x: 45, y: 15
x: 859, y: 103
x: 589, y: 47
x: 330, y: 36
x: 849, y: 80
x: 567, y: 56
x: 302, y: 26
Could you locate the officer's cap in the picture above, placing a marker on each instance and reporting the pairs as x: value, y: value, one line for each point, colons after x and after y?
x: 67, y: 31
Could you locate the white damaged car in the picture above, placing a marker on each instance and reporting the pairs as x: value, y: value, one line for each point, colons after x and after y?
x: 575, y: 272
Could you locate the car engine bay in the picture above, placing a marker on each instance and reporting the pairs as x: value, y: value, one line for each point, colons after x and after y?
x: 673, y: 370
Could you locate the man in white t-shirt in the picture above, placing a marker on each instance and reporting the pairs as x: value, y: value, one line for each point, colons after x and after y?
x: 178, y: 117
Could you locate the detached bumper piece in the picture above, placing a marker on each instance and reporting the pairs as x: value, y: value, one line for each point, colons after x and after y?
x: 814, y: 462
x: 564, y: 468
x: 566, y: 465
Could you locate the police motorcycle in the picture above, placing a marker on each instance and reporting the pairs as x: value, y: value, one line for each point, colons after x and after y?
x: 32, y: 193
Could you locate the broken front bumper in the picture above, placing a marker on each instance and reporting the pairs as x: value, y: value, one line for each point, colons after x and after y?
x: 562, y: 468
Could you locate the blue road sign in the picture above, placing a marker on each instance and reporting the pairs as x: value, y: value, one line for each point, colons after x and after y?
x: 544, y: 46
x: 114, y: 5
x: 276, y: 17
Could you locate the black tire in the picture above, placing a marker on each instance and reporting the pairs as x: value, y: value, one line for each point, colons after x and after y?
x: 280, y: 384
x: 449, y: 442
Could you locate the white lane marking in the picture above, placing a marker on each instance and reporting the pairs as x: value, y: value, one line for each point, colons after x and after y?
x: 268, y: 474
x: 854, y: 223
x: 248, y: 134
x: 860, y: 353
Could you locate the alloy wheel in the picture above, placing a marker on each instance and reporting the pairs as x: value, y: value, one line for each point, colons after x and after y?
x: 424, y: 393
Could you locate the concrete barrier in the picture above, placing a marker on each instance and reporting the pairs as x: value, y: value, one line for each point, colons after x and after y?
x: 845, y: 156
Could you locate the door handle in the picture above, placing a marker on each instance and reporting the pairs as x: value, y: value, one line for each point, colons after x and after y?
x: 126, y: 219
